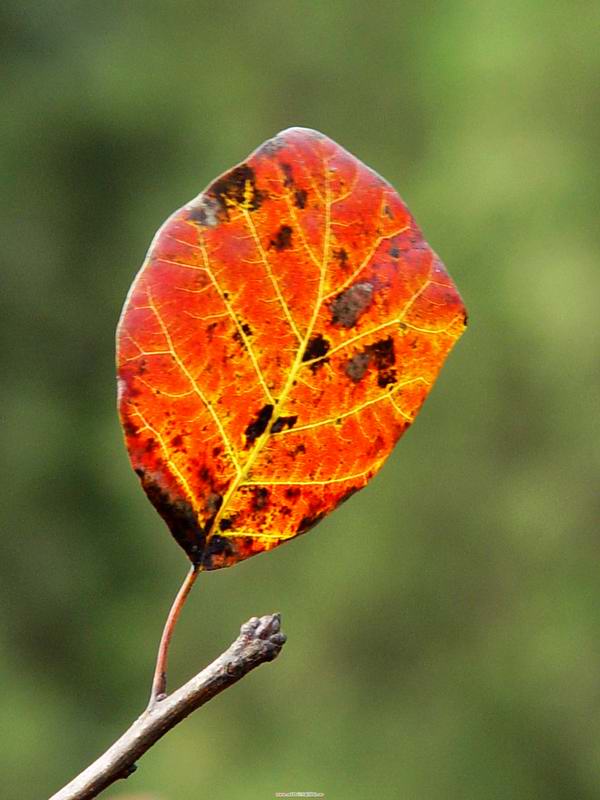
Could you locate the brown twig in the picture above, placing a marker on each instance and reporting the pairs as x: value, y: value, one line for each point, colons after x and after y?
x: 260, y: 640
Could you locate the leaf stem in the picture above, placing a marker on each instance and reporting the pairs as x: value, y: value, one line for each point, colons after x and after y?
x: 159, y: 682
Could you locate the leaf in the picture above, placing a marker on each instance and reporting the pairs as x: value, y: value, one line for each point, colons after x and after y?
x: 282, y: 334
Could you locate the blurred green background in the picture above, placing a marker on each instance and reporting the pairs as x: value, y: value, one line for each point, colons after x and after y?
x: 444, y: 625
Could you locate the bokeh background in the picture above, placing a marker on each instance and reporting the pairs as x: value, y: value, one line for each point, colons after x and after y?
x: 444, y: 624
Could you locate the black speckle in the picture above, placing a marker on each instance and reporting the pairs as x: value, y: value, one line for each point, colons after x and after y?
x: 395, y: 252
x: 281, y: 423
x: 258, y: 425
x: 247, y: 329
x: 349, y: 305
x: 388, y: 212
x: 232, y: 187
x: 225, y: 524
x: 317, y: 347
x: 306, y: 523
x: 357, y: 366
x: 300, y: 196
x: 260, y: 498
x: 283, y: 238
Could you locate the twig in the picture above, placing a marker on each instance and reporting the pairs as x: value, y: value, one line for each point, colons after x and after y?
x: 260, y: 640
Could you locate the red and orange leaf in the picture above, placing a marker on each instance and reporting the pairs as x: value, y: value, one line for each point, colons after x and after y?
x: 282, y: 334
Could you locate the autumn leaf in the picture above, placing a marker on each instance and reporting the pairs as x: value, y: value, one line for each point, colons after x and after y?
x: 282, y: 334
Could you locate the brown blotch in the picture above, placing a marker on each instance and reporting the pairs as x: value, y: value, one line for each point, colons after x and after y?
x: 292, y: 493
x: 347, y: 495
x: 218, y: 549
x: 308, y: 522
x: 381, y: 355
x: 317, y: 347
x: 258, y: 425
x: 214, y: 501
x: 300, y: 197
x: 351, y: 304
x: 283, y: 238
x: 178, y: 514
x: 260, y: 498
x: 281, y: 423
x: 232, y: 187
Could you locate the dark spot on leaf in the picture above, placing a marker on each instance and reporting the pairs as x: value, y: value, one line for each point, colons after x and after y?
x: 258, y: 425
x: 204, y: 474
x: 151, y: 445
x: 260, y: 498
x: 178, y: 514
x: 217, y: 547
x: 292, y: 493
x: 385, y: 377
x: 214, y: 501
x: 342, y: 256
x: 288, y: 175
x: 388, y: 212
x: 237, y: 186
x: 177, y: 441
x: 300, y: 448
x: 306, y: 523
x: 357, y: 366
x: 216, y: 451
x: 300, y: 196
x: 130, y: 429
x: 281, y: 423
x: 317, y: 347
x: 210, y: 329
x: 383, y: 353
x: 283, y: 238
x: 316, y: 365
x: 394, y: 252
x: 247, y: 329
x: 349, y: 305
x: 347, y: 495
x: 225, y: 524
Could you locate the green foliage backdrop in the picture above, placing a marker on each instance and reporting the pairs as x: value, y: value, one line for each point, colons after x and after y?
x: 444, y: 625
